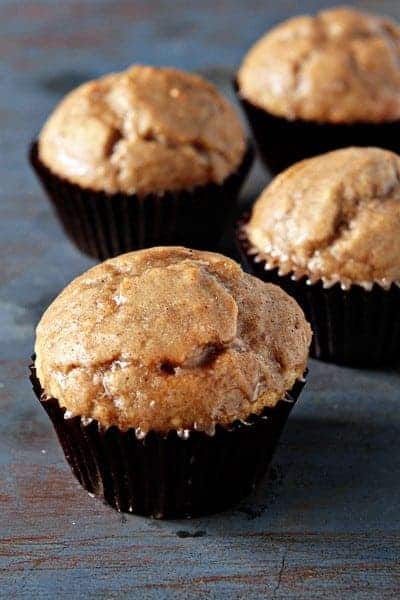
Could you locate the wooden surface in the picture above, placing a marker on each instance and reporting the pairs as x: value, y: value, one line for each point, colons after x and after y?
x: 326, y: 524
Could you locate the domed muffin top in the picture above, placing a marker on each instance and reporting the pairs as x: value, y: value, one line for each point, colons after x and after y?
x: 340, y: 66
x: 144, y: 130
x: 170, y: 338
x: 334, y: 217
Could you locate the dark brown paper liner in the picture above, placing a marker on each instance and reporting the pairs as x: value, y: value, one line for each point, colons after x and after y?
x: 104, y: 225
x: 354, y: 327
x: 165, y: 476
x: 282, y: 143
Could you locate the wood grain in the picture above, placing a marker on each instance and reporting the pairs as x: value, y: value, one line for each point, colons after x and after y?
x: 326, y: 524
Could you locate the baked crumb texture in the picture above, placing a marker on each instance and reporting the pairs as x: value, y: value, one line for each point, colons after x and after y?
x: 335, y: 217
x: 340, y: 66
x: 170, y: 338
x: 144, y: 130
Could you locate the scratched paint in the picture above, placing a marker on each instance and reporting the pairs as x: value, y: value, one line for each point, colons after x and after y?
x: 326, y: 524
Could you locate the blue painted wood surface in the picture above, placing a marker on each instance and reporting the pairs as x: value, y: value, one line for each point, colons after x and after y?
x: 326, y: 524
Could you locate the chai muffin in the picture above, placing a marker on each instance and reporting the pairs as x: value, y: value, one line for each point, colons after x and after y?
x: 328, y: 231
x: 318, y: 83
x: 169, y: 374
x: 143, y: 157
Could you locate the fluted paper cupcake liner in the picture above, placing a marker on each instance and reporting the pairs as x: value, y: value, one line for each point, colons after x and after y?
x: 282, y: 142
x: 355, y: 326
x: 104, y: 225
x: 174, y: 474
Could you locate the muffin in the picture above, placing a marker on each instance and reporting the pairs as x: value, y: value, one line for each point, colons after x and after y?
x: 328, y: 231
x: 168, y: 375
x: 143, y: 157
x: 315, y: 84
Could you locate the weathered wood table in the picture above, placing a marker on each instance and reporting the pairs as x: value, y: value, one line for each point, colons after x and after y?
x: 326, y: 524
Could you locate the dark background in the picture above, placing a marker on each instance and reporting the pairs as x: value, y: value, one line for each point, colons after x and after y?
x: 327, y: 524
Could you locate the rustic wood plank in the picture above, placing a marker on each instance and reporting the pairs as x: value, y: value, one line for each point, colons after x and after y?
x: 327, y: 522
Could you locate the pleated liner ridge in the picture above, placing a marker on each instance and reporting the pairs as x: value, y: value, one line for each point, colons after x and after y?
x: 355, y: 327
x: 282, y: 142
x: 167, y: 475
x: 104, y: 225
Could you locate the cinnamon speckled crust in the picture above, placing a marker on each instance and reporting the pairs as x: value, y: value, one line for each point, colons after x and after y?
x: 335, y: 217
x: 341, y: 65
x: 170, y: 338
x: 144, y: 130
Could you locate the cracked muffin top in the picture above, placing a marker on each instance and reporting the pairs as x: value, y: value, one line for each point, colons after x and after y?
x: 170, y: 338
x: 335, y: 217
x: 144, y: 130
x: 340, y: 66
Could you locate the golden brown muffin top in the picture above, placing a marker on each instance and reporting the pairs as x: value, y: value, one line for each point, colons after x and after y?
x: 341, y: 65
x: 170, y: 338
x: 141, y: 131
x: 334, y: 217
